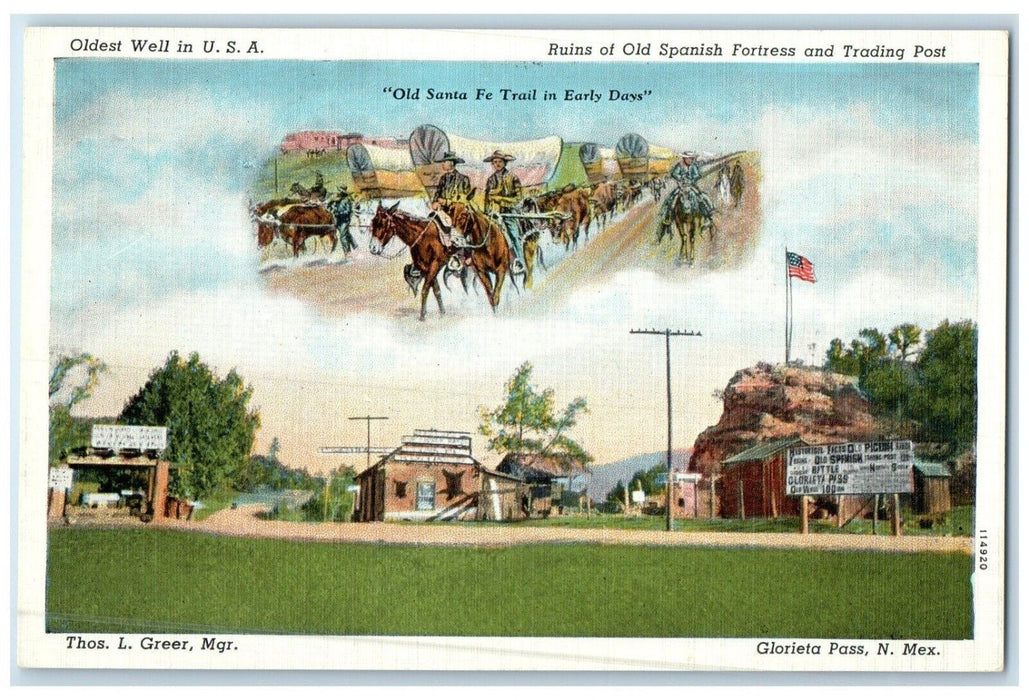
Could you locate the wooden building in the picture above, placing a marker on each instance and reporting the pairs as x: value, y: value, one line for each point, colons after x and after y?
x: 753, y: 482
x: 502, y: 496
x: 932, y: 488
x: 548, y: 478
x: 431, y: 476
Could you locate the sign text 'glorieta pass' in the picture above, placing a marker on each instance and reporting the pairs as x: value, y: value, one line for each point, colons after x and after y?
x: 852, y: 468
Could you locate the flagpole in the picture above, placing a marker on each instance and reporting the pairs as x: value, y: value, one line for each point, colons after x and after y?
x: 789, y: 289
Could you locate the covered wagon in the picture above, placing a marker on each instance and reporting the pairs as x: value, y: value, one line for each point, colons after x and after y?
x: 536, y: 162
x: 382, y: 172
x: 599, y: 163
x: 642, y: 161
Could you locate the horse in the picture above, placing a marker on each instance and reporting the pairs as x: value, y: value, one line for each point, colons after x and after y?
x: 691, y: 213
x: 489, y: 252
x: 428, y: 255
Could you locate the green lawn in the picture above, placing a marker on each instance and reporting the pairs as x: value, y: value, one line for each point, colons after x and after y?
x: 138, y: 581
x: 958, y: 523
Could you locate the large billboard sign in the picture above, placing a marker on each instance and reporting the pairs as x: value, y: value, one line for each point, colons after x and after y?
x: 129, y: 437
x: 853, y: 468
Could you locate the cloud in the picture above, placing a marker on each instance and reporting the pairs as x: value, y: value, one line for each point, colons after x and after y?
x: 153, y: 251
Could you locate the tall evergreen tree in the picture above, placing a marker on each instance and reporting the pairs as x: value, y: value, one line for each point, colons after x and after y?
x: 210, y: 427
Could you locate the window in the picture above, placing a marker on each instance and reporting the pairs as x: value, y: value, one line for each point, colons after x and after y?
x: 426, y: 496
x: 401, y: 488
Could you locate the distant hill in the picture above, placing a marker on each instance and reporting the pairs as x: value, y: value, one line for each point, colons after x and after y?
x: 606, y: 476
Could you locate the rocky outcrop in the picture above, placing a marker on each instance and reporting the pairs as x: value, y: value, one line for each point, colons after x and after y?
x: 767, y: 402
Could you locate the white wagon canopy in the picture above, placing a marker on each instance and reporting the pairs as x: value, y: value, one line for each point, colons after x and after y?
x: 535, y: 161
x: 382, y: 172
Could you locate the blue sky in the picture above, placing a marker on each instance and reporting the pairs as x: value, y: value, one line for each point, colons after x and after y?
x: 348, y: 94
x: 870, y: 170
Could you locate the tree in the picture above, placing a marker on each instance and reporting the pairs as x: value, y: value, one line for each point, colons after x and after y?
x: 73, y: 379
x: 645, y: 480
x: 526, y: 422
x: 210, y: 427
x: 905, y: 337
x: 841, y: 360
x: 946, y: 400
x: 937, y: 391
x: 888, y: 386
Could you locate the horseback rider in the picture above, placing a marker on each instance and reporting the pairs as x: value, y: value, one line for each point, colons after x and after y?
x: 685, y: 173
x: 502, y: 196
x: 452, y: 184
x: 317, y: 193
x: 449, y: 233
x: 342, y: 208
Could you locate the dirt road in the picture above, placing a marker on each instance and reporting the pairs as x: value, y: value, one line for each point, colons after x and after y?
x: 338, y: 287
x: 245, y: 522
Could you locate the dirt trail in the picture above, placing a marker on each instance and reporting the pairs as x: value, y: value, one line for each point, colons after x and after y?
x: 245, y: 522
x: 367, y: 283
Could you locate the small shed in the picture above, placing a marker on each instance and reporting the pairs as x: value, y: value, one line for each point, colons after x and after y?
x: 686, y: 494
x: 502, y: 496
x: 431, y: 476
x: 932, y: 488
x: 548, y: 477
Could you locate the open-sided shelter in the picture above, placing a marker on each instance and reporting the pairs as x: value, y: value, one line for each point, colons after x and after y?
x: 549, y: 476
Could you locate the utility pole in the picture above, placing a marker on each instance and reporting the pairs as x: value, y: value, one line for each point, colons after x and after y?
x: 368, y: 448
x: 668, y: 333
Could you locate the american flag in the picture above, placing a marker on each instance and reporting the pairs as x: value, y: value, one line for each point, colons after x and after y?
x: 800, y: 267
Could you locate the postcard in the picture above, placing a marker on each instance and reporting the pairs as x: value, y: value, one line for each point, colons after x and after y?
x: 508, y: 349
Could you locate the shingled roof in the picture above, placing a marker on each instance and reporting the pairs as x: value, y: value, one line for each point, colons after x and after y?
x: 536, y: 466
x: 433, y: 447
x: 762, y: 450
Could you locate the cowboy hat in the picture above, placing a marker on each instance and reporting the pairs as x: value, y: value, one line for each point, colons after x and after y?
x: 452, y: 157
x: 497, y: 154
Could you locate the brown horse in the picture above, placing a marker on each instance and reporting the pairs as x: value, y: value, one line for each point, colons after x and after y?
x: 294, y: 221
x: 689, y: 222
x: 490, y: 253
x: 420, y: 235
